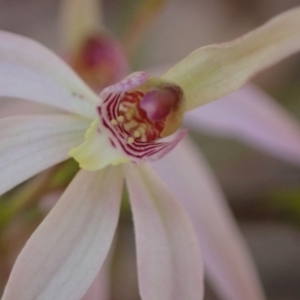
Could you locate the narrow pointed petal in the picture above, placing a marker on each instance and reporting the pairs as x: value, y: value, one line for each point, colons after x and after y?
x: 229, y: 266
x: 79, y: 20
x: 214, y: 71
x: 64, y: 255
x: 254, y: 118
x: 100, y: 288
x: 30, y: 71
x: 142, y: 17
x: 31, y: 144
x: 168, y: 253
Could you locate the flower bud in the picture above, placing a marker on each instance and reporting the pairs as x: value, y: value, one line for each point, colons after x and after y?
x: 100, y: 61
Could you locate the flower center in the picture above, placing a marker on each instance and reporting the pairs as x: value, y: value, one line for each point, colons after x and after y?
x: 134, y: 120
x: 145, y: 113
x: 134, y: 115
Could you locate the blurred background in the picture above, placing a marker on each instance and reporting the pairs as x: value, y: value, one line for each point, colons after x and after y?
x: 263, y: 192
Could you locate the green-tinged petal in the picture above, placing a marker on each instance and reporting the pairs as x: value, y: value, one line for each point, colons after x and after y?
x: 79, y: 19
x: 214, y: 71
x: 168, y: 253
x: 229, y: 266
x: 64, y: 255
x: 139, y: 21
x: 30, y: 71
x: 31, y: 144
x: 96, y: 152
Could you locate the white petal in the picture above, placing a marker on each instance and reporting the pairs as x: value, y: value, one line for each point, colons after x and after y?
x: 168, y: 254
x: 65, y: 253
x: 30, y: 71
x: 22, y: 82
x: 252, y: 117
x: 31, y: 144
x: 214, y: 71
x: 100, y: 288
x: 228, y: 263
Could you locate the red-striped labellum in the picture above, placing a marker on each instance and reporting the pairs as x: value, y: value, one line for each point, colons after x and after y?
x: 137, y: 119
x: 140, y: 110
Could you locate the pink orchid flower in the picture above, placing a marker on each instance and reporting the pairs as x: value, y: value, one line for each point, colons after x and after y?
x: 115, y: 134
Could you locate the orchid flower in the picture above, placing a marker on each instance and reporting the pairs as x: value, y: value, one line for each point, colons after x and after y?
x: 111, y: 135
x: 247, y: 114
